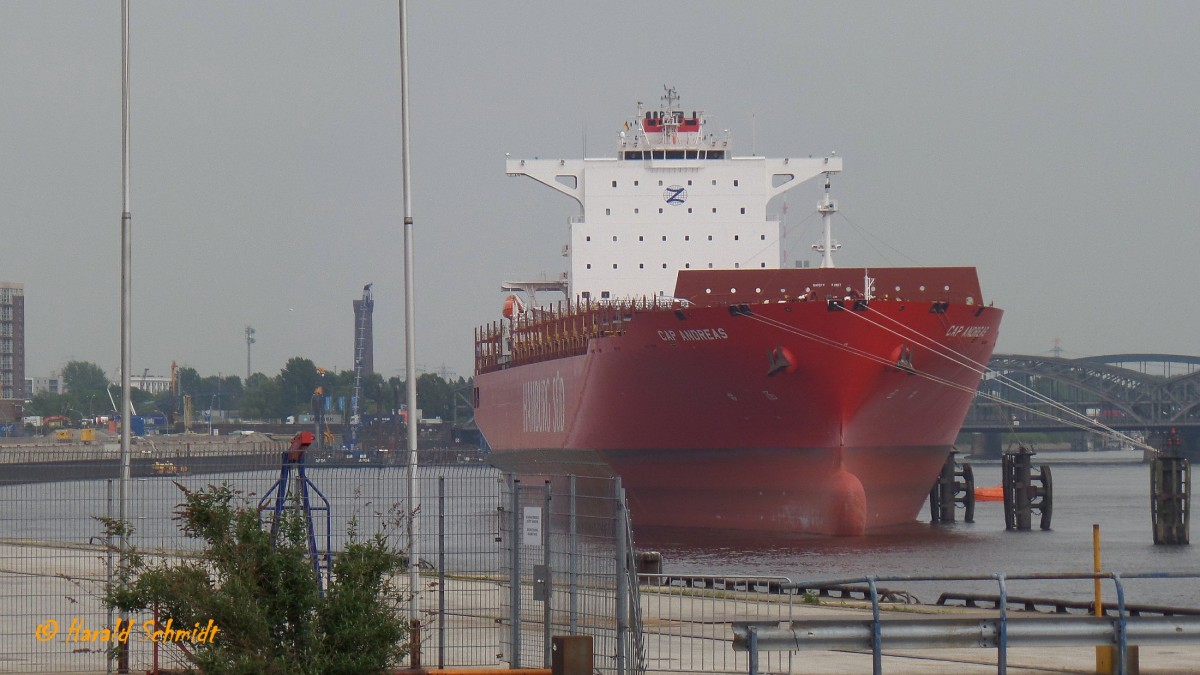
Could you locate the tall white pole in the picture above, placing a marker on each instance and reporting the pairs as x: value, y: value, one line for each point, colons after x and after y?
x: 410, y: 350
x: 126, y: 297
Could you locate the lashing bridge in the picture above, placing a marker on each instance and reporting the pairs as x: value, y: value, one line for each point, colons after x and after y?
x: 1150, y: 393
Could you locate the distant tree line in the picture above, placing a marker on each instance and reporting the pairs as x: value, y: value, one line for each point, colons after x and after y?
x: 89, y: 393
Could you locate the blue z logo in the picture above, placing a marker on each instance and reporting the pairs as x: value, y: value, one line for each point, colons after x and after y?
x: 675, y: 194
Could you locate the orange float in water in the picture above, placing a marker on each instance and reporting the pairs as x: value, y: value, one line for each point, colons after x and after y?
x: 989, y: 494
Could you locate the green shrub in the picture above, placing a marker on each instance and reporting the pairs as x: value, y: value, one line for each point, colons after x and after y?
x: 264, y: 597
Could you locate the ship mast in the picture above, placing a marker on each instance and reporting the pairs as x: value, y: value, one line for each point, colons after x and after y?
x: 827, y: 207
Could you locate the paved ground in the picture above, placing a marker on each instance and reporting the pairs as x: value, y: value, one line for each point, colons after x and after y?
x: 685, y: 631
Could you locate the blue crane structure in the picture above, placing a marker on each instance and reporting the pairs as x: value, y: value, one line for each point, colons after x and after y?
x: 297, y: 495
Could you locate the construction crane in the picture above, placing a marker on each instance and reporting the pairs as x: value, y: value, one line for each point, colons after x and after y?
x: 360, y: 345
x: 324, y: 439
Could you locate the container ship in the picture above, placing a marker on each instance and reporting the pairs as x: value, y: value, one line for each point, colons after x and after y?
x: 726, y: 388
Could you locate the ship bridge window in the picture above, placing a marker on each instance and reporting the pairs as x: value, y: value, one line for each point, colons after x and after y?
x: 716, y: 154
x: 692, y: 154
x: 675, y: 154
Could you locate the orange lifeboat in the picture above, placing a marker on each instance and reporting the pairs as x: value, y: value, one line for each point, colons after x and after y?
x: 989, y: 494
x: 513, y: 306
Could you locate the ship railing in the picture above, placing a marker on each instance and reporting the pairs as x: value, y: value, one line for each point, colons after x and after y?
x: 759, y: 635
x: 560, y: 330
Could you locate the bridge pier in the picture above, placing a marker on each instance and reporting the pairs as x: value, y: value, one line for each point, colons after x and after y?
x: 987, y: 445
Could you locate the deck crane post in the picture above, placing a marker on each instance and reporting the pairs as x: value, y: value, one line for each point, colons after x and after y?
x: 360, y: 345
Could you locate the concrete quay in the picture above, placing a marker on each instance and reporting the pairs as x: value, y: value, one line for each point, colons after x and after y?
x: 684, y: 630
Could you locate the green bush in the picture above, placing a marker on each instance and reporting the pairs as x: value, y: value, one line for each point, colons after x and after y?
x: 264, y: 597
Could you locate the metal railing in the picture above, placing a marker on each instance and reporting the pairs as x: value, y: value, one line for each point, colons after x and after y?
x: 686, y: 620
x: 999, y: 633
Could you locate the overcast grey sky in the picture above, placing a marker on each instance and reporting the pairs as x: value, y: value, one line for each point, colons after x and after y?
x: 1052, y: 145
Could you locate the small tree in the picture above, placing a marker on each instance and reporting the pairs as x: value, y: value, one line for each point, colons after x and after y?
x: 262, y: 594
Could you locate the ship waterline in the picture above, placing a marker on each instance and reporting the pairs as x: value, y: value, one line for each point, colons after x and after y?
x: 832, y: 491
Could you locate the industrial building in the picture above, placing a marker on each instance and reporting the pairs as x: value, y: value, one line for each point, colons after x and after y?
x: 12, y: 352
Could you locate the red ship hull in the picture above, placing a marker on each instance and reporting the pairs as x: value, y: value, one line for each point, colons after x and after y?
x: 829, y: 416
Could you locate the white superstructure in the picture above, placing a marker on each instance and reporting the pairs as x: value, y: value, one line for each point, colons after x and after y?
x: 672, y: 199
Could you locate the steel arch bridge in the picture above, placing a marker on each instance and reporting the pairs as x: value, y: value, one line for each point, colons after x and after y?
x: 1122, y: 391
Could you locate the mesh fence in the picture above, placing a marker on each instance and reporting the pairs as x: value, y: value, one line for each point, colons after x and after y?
x: 480, y: 588
x: 567, y: 545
